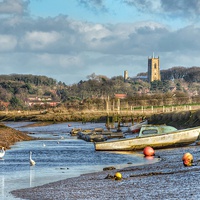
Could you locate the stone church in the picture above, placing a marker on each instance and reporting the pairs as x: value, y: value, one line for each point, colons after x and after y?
x: 153, y: 69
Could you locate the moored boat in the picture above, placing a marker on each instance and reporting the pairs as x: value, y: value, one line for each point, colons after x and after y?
x: 82, y: 134
x: 74, y: 131
x: 99, y: 135
x: 156, y: 136
x: 136, y: 127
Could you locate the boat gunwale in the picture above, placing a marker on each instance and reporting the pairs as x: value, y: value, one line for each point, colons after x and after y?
x: 161, y: 134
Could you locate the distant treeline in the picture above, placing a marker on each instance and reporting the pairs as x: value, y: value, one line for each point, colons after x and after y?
x: 33, y: 79
x: 178, y: 84
x: 191, y: 74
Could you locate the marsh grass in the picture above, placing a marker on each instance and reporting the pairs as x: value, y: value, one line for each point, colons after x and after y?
x: 179, y: 119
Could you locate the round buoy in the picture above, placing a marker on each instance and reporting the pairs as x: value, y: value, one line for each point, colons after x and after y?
x: 187, y: 163
x: 118, y: 176
x: 148, y: 151
x: 187, y: 156
x: 187, y: 159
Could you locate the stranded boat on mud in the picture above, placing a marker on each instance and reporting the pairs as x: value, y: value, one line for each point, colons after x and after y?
x: 156, y: 136
x: 98, y: 135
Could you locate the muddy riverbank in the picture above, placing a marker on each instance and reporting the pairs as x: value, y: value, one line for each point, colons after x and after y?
x: 9, y: 136
x: 180, y: 120
x: 166, y: 179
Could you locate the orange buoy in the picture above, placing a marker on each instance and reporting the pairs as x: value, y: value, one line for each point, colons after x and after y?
x: 187, y: 159
x: 148, y: 151
x: 187, y: 163
x: 187, y: 156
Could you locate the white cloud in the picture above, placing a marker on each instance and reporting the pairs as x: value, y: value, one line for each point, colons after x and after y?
x: 13, y: 6
x: 38, y: 40
x: 7, y: 43
x: 173, y: 8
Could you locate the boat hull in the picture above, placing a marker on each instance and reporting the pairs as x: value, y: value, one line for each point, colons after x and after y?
x: 136, y: 128
x: 173, y: 139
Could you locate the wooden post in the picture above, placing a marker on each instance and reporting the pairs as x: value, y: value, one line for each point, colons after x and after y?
x: 108, y: 123
x: 118, y: 126
x: 107, y: 105
x: 112, y: 122
x: 118, y: 105
x: 132, y: 120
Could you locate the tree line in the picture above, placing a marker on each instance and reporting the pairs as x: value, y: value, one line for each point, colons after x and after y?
x: 178, y: 85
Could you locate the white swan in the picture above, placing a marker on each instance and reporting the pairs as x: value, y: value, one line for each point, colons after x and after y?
x: 2, y: 152
x: 32, y: 162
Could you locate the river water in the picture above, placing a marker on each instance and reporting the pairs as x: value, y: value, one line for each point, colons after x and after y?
x: 58, y: 156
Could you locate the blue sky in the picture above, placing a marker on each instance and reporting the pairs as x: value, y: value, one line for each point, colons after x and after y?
x: 70, y: 39
x: 112, y: 12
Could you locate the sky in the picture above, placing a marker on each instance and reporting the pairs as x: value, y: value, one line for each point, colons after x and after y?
x: 68, y: 40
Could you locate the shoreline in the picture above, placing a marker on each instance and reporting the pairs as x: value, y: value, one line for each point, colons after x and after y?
x: 180, y: 119
x: 9, y: 136
x: 166, y: 179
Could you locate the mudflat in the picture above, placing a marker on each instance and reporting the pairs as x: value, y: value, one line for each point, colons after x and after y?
x: 8, y: 136
x: 166, y: 179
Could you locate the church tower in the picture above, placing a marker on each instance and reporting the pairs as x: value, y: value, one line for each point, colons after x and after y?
x: 125, y: 75
x: 153, y: 69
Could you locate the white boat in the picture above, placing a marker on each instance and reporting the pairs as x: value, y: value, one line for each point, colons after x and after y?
x: 156, y: 136
x: 136, y: 127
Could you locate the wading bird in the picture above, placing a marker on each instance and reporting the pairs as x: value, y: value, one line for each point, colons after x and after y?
x: 32, y: 162
x: 2, y: 152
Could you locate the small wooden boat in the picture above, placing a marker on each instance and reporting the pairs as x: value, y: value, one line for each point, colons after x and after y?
x: 105, y: 135
x: 82, y: 134
x: 98, y: 135
x: 74, y: 131
x: 95, y: 138
x: 156, y: 136
x: 136, y: 127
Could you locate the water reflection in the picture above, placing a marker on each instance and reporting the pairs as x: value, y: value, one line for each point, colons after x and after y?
x: 32, y: 176
x: 2, y: 185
